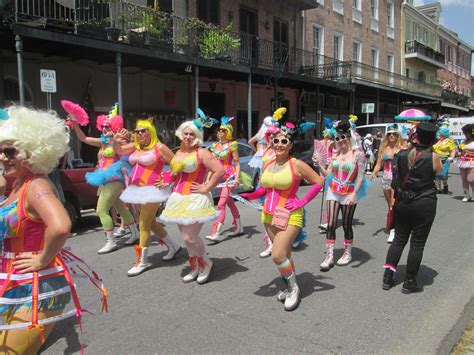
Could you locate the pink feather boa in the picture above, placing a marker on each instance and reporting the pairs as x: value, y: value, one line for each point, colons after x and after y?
x: 76, y: 112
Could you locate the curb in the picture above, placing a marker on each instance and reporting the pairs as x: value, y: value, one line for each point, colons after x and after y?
x: 455, y: 334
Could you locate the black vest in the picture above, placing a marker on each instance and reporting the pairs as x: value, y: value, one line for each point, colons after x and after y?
x: 420, y: 183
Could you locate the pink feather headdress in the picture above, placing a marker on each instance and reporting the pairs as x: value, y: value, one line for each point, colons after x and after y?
x: 115, y: 122
x: 75, y: 112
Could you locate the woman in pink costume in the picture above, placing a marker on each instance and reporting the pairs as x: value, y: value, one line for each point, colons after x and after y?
x: 110, y: 178
x: 391, y: 144
x: 148, y: 157
x: 283, y: 214
x: 227, y: 153
x: 38, y: 278
x: 191, y: 204
x: 345, y: 185
x: 465, y: 162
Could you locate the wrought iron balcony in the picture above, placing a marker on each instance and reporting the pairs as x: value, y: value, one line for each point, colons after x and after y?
x: 370, y: 74
x: 414, y: 49
x: 455, y: 98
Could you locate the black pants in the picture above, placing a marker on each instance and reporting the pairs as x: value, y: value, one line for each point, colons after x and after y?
x: 414, y: 218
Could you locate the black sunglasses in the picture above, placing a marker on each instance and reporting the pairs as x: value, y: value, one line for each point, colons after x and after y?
x: 283, y: 141
x: 9, y: 153
x: 341, y: 137
x: 392, y: 134
x: 141, y: 131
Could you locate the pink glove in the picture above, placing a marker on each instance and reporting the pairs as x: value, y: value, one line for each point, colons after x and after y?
x: 260, y: 192
x: 295, y: 204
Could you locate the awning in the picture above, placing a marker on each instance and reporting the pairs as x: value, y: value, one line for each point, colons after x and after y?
x: 447, y: 104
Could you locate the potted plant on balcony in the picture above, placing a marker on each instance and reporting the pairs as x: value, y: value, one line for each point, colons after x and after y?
x: 216, y: 43
x: 152, y: 28
x: 93, y: 28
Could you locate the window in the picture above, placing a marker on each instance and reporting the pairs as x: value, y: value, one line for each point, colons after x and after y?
x: 374, y: 9
x: 356, y: 53
x: 356, y: 4
x: 407, y: 72
x: 356, y: 11
x: 421, y: 76
x: 390, y: 63
x: 208, y: 11
x: 450, y: 54
x: 318, y: 42
x: 374, y: 61
x: 425, y: 36
x: 337, y: 49
x: 389, y: 14
x: 249, y: 31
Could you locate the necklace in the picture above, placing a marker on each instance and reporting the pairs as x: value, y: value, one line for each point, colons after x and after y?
x: 277, y: 167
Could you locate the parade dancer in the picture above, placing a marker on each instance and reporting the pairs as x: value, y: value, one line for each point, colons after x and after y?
x: 446, y: 150
x: 465, y: 162
x: 283, y: 212
x: 345, y: 184
x: 226, y: 152
x: 191, y: 204
x: 109, y: 177
x: 148, y: 157
x: 391, y: 144
x: 264, y: 151
x: 38, y: 278
x: 414, y: 171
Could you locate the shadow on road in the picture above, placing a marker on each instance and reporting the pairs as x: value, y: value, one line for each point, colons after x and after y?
x: 87, y: 225
x: 307, y: 282
x: 376, y: 233
x: 426, y: 275
x: 156, y: 258
x: 64, y: 329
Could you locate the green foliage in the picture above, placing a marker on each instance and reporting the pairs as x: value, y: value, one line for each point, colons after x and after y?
x: 216, y: 42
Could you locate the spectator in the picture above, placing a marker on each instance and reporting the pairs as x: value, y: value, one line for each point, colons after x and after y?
x: 369, y: 153
x: 242, y: 138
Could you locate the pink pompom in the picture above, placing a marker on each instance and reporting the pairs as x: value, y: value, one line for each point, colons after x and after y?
x: 76, y: 112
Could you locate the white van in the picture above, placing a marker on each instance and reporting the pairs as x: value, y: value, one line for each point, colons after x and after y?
x: 382, y: 127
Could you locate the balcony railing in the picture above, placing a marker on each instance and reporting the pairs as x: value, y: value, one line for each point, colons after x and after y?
x: 383, y: 77
x: 454, y: 98
x: 415, y: 47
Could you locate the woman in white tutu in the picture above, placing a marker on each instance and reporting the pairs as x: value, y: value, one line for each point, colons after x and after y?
x: 148, y: 156
x: 191, y: 204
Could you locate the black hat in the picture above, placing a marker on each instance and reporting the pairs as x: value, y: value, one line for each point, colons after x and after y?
x: 426, y: 133
x: 343, y: 126
x: 468, y: 128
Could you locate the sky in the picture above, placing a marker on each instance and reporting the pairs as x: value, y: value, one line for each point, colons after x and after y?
x: 458, y: 16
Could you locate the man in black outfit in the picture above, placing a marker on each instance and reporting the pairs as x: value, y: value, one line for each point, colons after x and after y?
x: 414, y: 171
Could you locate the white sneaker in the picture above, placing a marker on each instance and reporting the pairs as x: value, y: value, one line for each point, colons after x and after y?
x: 194, y: 270
x: 120, y: 232
x: 323, y: 226
x: 268, y: 250
x: 345, y: 259
x: 292, y: 299
x: 205, y: 267
x: 216, y: 235
x: 134, y: 234
x: 173, y: 248
x: 238, y: 230
x: 110, y: 244
x: 281, y: 296
x: 466, y: 199
x: 391, y: 236
x: 141, y: 264
x: 329, y: 260
x: 296, y: 244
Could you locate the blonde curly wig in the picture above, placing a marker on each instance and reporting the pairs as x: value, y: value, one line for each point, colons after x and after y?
x: 41, y: 138
x: 197, y: 132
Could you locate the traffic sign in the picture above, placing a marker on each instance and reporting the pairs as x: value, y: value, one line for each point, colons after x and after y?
x: 368, y: 108
x: 48, y: 80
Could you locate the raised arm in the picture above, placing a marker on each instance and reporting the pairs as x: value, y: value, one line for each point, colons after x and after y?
x: 119, y: 147
x: 84, y: 139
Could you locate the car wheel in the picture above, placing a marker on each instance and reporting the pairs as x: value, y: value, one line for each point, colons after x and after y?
x: 72, y: 212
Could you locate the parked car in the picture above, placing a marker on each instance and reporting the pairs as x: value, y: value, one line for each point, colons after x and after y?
x: 245, y: 154
x: 382, y: 127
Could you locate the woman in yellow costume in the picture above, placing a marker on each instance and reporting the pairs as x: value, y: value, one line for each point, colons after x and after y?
x: 190, y: 204
x: 446, y: 150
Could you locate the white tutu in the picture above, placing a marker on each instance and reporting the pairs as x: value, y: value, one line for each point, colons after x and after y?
x: 465, y: 163
x: 255, y: 162
x: 141, y: 195
x: 189, y: 209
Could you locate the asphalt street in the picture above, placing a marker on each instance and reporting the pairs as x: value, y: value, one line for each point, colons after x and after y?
x: 344, y: 310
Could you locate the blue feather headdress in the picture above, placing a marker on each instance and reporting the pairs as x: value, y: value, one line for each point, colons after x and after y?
x: 202, y: 120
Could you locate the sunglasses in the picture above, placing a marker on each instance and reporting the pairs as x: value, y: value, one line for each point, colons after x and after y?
x: 284, y: 141
x: 341, y: 137
x: 105, y: 126
x: 9, y: 153
x: 141, y: 131
x: 222, y: 130
x: 392, y: 134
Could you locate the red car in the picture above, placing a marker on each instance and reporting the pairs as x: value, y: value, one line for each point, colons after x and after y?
x: 78, y: 193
